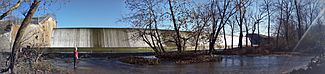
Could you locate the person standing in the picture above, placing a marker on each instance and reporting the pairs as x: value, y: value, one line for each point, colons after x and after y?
x: 75, y: 52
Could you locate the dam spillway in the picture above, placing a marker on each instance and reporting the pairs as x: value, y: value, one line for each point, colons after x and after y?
x: 94, y: 37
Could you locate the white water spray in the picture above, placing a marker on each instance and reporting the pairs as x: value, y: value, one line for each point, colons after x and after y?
x: 321, y: 14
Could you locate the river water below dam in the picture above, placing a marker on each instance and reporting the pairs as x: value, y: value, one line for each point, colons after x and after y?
x: 231, y: 64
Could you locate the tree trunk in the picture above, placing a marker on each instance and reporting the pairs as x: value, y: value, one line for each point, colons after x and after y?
x: 299, y: 19
x: 178, y: 41
x: 242, y: 11
x: 197, y: 42
x: 286, y: 22
x: 246, y: 41
x: 198, y: 37
x: 278, y: 34
x: 211, y: 37
x: 258, y: 33
x: 253, y: 32
x: 211, y: 46
x: 268, y: 26
x: 224, y: 37
x: 268, y: 20
x: 232, y: 37
x: 240, y: 37
x: 156, y: 32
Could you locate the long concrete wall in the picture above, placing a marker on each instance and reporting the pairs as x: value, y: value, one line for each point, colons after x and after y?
x: 94, y: 37
x: 112, y: 37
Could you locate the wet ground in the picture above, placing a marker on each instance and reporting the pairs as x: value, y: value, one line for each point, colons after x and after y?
x: 232, y: 64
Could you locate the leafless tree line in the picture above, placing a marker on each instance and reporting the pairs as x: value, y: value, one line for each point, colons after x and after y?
x: 283, y: 21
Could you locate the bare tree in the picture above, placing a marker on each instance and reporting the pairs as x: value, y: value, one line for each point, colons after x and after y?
x: 312, y: 10
x: 279, y: 6
x: 267, y: 7
x: 147, y: 17
x: 255, y: 18
x: 179, y: 14
x: 299, y: 18
x: 221, y: 12
x: 247, y: 28
x: 176, y: 26
x: 241, y: 6
x: 150, y: 15
x: 232, y: 26
x: 21, y: 31
x: 32, y: 7
x: 200, y: 18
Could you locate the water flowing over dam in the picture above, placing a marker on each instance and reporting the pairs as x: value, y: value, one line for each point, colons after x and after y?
x: 94, y: 37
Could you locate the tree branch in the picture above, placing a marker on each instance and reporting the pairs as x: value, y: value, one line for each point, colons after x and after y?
x: 11, y: 9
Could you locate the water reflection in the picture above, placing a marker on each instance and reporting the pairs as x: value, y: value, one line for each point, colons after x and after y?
x: 229, y: 65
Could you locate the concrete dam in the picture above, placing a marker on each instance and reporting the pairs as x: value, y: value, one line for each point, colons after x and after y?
x: 94, y: 37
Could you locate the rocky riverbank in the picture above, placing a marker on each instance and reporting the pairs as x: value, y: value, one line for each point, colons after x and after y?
x: 315, y: 66
x: 25, y: 66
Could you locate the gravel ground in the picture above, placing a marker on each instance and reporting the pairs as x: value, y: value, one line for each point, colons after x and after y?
x: 3, y: 59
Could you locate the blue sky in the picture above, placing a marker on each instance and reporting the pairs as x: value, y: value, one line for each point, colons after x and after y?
x: 94, y: 13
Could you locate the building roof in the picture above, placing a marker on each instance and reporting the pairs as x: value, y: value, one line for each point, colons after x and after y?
x: 254, y: 34
x: 37, y: 20
x: 18, y: 21
x: 6, y: 24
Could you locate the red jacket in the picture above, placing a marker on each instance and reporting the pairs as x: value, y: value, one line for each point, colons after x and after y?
x: 75, y: 53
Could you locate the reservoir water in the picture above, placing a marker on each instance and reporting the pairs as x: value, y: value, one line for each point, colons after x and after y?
x: 231, y: 64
